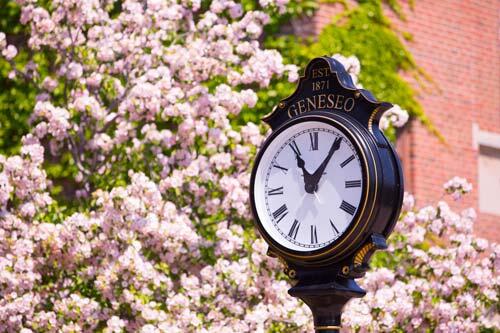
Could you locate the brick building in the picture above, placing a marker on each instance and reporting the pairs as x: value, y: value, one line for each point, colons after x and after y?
x: 458, y: 44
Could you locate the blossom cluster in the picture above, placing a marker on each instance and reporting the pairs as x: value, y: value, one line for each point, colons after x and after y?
x: 457, y: 186
x: 351, y: 65
x: 395, y: 117
x: 158, y: 82
x: 144, y: 101
x: 142, y: 259
x: 440, y: 277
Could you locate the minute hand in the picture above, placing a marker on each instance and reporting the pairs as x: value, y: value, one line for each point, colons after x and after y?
x: 316, y: 176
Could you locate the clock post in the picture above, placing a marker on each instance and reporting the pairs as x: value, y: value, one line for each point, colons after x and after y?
x: 326, y: 188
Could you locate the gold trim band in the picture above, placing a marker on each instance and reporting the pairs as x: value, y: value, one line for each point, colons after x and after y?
x: 324, y: 328
x: 367, y: 207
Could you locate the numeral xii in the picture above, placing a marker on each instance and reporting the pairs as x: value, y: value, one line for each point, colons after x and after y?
x: 314, y: 140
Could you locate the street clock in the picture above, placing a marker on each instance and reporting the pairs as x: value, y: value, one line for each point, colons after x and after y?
x: 326, y: 187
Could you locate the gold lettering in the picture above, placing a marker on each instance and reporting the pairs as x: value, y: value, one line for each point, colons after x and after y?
x: 321, y: 101
x: 292, y: 111
x: 320, y: 72
x: 340, y: 102
x: 331, y: 101
x: 302, y: 106
x: 309, y: 103
x: 314, y: 73
x: 350, y: 100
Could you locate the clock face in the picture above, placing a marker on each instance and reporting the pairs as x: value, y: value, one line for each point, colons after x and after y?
x: 308, y: 186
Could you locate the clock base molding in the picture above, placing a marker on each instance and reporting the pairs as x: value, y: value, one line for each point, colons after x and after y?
x: 326, y: 301
x: 327, y: 289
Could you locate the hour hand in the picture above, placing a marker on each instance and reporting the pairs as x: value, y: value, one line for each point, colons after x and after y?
x: 308, y: 178
x: 300, y: 162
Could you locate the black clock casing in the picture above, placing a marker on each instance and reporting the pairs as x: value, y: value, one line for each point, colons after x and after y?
x: 357, y: 117
x: 379, y: 195
x: 324, y: 278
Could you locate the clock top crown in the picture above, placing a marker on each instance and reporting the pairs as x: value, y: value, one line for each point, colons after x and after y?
x: 326, y: 86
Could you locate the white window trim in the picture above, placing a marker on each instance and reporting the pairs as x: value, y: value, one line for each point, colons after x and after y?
x: 484, y: 138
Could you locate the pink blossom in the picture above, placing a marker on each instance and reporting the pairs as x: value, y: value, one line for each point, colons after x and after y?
x: 457, y: 186
x: 9, y: 52
x: 74, y: 71
x: 158, y: 179
x: 3, y: 41
x: 352, y: 66
x: 49, y: 84
x: 395, y: 116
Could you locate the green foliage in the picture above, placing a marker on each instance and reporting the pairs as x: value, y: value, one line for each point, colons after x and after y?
x: 363, y: 31
x: 288, y: 46
x: 17, y: 97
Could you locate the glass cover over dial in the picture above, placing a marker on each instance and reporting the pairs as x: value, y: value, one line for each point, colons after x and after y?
x: 308, y: 186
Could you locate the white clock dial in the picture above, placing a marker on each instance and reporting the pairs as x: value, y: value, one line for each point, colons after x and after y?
x: 308, y: 186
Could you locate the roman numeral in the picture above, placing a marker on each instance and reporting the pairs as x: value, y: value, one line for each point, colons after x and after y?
x: 275, y: 191
x: 352, y: 183
x: 314, y: 140
x: 349, y: 159
x: 347, y: 207
x: 314, y: 235
x: 334, y: 227
x: 294, y: 229
x: 295, y: 148
x: 280, y: 167
x: 280, y: 213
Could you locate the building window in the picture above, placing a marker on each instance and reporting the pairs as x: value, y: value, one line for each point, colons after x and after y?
x: 488, y: 144
x: 489, y: 180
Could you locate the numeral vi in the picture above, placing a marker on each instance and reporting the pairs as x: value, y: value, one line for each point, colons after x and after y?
x: 314, y: 235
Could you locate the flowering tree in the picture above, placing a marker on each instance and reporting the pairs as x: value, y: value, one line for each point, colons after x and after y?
x: 141, y: 97
x: 137, y: 104
x: 437, y: 276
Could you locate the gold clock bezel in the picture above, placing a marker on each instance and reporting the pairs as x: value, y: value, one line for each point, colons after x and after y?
x: 369, y: 167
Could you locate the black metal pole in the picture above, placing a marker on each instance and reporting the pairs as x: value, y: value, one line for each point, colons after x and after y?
x: 327, y: 322
x: 327, y: 329
x: 326, y: 300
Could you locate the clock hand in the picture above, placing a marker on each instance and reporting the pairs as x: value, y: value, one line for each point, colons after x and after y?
x: 316, y: 176
x: 307, y: 176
